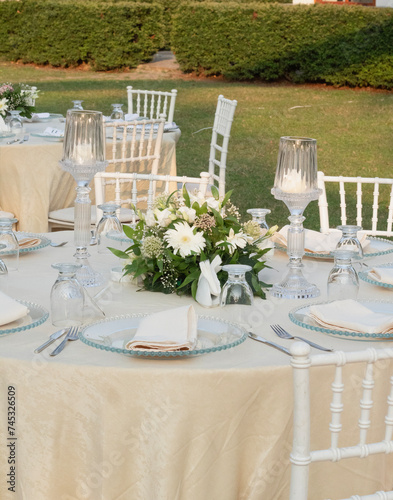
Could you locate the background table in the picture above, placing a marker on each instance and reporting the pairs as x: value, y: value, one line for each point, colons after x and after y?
x: 32, y: 183
x: 102, y: 426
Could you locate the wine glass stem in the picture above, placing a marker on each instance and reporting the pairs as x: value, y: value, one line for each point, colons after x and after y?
x: 82, y: 234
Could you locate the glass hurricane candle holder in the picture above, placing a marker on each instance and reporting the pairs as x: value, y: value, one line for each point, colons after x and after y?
x: 296, y: 185
x: 83, y: 157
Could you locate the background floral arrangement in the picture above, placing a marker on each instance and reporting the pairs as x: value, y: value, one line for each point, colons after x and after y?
x: 17, y: 97
x: 171, y: 240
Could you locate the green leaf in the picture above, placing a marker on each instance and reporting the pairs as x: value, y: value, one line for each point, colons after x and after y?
x: 186, y: 197
x: 119, y: 253
x: 192, y: 276
x: 194, y: 287
x: 226, y: 198
x: 129, y: 232
x: 215, y: 193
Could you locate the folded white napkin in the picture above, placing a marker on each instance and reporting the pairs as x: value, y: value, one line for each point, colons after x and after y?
x: 209, y: 288
x: 39, y: 116
x: 10, y: 309
x: 3, y: 126
x: 131, y: 116
x: 171, y: 330
x: 351, y: 316
x: 28, y: 242
x: 316, y: 242
x: 54, y: 132
x: 382, y: 274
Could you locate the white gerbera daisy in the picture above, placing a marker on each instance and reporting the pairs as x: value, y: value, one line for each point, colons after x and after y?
x: 183, y: 240
x: 3, y: 105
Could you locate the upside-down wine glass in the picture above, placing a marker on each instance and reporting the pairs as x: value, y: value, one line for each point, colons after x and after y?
x: 77, y: 105
x: 83, y: 157
x: 296, y: 185
x: 259, y: 215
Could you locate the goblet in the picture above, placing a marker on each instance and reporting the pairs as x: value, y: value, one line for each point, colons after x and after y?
x: 117, y: 112
x: 9, y: 246
x: 67, y: 296
x: 109, y: 225
x: 296, y: 185
x: 343, y: 281
x: 236, y: 294
x: 77, y: 105
x: 259, y: 215
x: 349, y: 241
x: 83, y: 157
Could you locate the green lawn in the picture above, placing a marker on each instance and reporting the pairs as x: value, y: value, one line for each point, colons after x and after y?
x: 354, y: 129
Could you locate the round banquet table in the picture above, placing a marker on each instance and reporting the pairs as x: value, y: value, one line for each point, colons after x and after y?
x: 97, y: 425
x: 33, y: 183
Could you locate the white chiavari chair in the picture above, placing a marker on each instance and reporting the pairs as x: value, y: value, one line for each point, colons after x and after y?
x: 140, y: 190
x: 222, y: 125
x: 378, y: 367
x: 360, y: 202
x: 152, y: 103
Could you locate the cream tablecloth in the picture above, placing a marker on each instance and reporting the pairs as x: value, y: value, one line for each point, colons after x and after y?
x: 32, y: 183
x: 101, y: 426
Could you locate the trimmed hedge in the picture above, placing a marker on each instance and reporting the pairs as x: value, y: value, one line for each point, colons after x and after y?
x: 317, y: 43
x: 105, y: 35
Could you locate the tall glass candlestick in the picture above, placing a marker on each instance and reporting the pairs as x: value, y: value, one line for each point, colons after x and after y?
x: 83, y: 157
x: 296, y: 185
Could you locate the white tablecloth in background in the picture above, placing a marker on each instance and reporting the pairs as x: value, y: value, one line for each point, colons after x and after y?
x: 102, y: 426
x: 32, y: 182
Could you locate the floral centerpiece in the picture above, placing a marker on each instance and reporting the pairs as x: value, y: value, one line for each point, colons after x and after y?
x: 18, y: 97
x: 180, y: 232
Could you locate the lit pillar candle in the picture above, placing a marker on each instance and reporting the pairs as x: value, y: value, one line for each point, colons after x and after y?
x: 83, y: 153
x: 293, y: 182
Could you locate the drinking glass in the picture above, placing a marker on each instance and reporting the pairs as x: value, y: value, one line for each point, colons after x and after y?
x: 259, y: 214
x: 236, y: 294
x: 343, y: 281
x: 117, y: 112
x: 77, y: 105
x: 67, y: 296
x: 108, y: 225
x: 349, y: 240
x: 10, y: 252
x: 15, y: 123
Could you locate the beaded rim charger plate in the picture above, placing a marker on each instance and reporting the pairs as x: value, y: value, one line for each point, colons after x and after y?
x: 113, y: 333
x: 377, y: 247
x: 300, y: 317
x: 37, y: 315
x: 44, y: 242
x: 365, y: 277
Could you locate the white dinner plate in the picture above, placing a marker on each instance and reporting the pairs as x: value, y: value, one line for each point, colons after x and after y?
x: 112, y: 334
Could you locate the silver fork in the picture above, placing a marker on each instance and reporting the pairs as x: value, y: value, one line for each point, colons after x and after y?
x: 71, y: 335
x: 283, y: 334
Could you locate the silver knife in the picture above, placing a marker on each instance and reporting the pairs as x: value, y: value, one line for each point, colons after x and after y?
x: 267, y: 342
x: 51, y: 339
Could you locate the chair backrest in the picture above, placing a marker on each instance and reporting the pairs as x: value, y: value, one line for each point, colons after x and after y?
x: 152, y: 103
x: 135, y: 145
x: 375, y: 370
x: 360, y: 199
x: 219, y: 143
x: 139, y: 190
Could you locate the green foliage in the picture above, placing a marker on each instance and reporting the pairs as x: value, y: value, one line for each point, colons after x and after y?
x: 68, y: 33
x: 316, y: 43
x: 171, y: 241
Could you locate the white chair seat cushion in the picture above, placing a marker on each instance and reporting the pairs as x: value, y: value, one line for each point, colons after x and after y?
x: 67, y: 215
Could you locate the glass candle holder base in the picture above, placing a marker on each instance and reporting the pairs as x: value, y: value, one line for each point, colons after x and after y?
x: 295, y: 286
x: 86, y: 275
